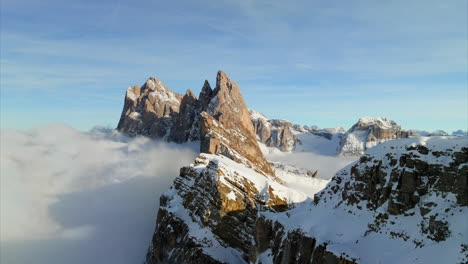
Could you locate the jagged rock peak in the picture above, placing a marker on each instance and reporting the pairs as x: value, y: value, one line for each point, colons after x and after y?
x: 226, y: 127
x: 149, y: 110
x: 222, y: 80
x: 154, y: 110
x: 228, y: 103
x: 206, y: 94
x: 190, y: 94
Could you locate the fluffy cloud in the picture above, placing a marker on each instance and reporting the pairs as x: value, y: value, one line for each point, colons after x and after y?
x: 74, y: 197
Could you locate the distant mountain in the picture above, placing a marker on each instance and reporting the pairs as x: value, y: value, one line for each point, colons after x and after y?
x: 429, y: 134
x: 274, y: 132
x: 367, y: 133
x: 460, y: 133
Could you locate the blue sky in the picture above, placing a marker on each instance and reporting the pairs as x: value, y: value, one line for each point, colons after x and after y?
x: 313, y: 62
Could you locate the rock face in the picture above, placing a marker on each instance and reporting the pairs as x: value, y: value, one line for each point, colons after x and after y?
x: 186, y: 125
x: 273, y: 243
x: 368, y: 132
x: 149, y: 110
x: 210, y: 212
x: 274, y: 132
x: 404, y: 177
x: 226, y: 127
x: 414, y: 191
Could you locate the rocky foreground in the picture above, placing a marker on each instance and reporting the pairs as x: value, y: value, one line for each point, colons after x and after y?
x: 404, y: 201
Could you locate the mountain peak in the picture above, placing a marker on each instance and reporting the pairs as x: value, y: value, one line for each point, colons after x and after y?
x: 379, y: 121
x: 158, y: 112
x: 368, y: 132
x: 190, y: 93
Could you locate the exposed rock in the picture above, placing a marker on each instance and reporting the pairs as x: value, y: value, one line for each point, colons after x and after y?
x: 187, y: 123
x: 231, y: 142
x: 283, y: 246
x: 149, y: 110
x: 368, y: 132
x: 211, y: 212
x: 399, y: 180
x: 274, y: 132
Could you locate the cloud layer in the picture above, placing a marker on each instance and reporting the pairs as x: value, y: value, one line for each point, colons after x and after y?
x: 74, y: 197
x: 327, y: 166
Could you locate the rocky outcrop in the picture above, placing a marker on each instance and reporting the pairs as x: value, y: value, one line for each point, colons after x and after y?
x: 404, y: 176
x: 415, y: 190
x: 149, y: 110
x: 226, y: 127
x: 186, y: 126
x: 219, y: 118
x: 210, y: 212
x: 273, y: 243
x: 274, y: 132
x: 367, y: 133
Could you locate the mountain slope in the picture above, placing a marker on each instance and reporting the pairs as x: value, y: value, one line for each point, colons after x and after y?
x: 405, y: 201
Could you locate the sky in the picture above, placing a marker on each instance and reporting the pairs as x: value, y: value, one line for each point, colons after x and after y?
x: 322, y: 63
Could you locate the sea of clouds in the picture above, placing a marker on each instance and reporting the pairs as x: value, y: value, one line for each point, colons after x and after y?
x: 75, y: 197
x: 82, y: 197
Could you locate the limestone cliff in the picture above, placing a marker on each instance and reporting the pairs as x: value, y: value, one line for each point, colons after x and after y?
x: 274, y: 132
x: 149, y: 110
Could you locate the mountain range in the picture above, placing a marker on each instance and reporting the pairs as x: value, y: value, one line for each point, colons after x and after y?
x: 404, y: 200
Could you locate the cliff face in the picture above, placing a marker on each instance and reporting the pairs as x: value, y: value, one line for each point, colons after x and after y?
x: 149, y: 110
x: 274, y: 132
x: 226, y: 127
x: 213, y: 207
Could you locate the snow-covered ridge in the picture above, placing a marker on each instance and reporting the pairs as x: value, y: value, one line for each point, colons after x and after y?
x: 379, y: 121
x: 405, y: 201
x: 369, y: 132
